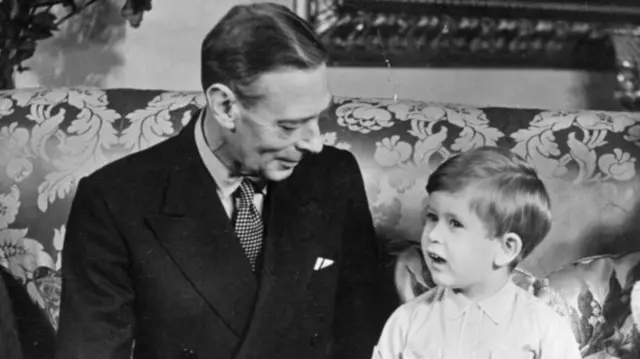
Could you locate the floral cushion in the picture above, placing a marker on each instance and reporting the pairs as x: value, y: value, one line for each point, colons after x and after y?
x: 599, y: 290
x: 599, y: 313
x: 50, y: 138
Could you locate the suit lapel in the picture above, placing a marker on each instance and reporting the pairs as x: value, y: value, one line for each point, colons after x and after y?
x: 292, y: 230
x: 293, y: 224
x: 194, y: 229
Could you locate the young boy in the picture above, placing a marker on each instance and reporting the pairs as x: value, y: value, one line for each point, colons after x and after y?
x: 486, y: 212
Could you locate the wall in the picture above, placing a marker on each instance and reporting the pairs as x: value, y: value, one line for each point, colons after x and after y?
x: 102, y: 50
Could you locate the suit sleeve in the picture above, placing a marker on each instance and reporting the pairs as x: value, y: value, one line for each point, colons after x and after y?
x: 96, y: 316
x: 359, y: 317
x: 10, y: 347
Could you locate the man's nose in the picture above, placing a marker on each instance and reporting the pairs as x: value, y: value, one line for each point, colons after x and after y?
x: 311, y: 140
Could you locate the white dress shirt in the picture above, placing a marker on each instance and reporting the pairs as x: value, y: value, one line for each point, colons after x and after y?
x: 226, y: 184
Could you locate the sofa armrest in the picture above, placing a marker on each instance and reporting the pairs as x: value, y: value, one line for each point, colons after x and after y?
x: 410, y: 275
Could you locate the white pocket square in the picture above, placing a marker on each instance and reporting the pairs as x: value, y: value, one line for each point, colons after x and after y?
x: 322, y: 263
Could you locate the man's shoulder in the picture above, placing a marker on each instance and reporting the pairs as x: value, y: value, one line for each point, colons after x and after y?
x: 133, y: 168
x: 332, y: 168
x: 331, y: 153
x: 330, y: 159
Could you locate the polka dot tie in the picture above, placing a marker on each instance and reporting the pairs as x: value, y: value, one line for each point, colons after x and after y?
x: 248, y: 223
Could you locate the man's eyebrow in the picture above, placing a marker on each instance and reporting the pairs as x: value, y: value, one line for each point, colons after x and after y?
x: 308, y: 118
x: 300, y: 119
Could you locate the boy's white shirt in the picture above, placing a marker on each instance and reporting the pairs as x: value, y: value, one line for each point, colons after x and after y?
x: 441, y: 324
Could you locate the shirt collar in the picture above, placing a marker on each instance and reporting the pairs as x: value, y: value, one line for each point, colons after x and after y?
x: 497, y: 307
x: 226, y: 183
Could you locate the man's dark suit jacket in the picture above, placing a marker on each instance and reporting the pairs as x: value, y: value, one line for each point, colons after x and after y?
x: 10, y: 347
x: 151, y: 255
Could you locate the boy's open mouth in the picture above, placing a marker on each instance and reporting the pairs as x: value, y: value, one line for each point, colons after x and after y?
x: 436, y: 258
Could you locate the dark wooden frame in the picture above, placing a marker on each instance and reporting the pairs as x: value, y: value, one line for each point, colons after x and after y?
x: 562, y: 34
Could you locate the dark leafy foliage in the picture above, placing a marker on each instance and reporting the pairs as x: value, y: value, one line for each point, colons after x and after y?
x: 25, y: 22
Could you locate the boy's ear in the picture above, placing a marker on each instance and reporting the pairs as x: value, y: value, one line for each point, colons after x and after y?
x: 510, y: 248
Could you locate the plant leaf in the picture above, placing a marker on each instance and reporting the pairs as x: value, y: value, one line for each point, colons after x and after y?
x: 45, y: 20
x: 46, y: 2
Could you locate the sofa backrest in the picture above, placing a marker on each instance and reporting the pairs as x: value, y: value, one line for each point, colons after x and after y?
x: 51, y: 138
x: 588, y: 159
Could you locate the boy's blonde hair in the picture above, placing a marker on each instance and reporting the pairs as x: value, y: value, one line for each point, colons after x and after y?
x: 508, y: 195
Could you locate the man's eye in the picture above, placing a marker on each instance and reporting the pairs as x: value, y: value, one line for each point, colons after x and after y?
x: 288, y: 127
x: 432, y: 217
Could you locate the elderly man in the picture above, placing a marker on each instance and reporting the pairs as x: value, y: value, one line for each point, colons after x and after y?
x: 241, y: 237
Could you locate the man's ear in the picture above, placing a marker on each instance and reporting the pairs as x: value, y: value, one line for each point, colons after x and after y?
x: 221, y: 102
x: 510, y: 248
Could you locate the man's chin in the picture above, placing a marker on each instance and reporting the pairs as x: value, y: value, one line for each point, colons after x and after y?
x: 277, y: 175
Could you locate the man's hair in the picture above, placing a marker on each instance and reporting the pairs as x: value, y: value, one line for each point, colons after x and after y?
x: 251, y: 40
x: 507, y: 194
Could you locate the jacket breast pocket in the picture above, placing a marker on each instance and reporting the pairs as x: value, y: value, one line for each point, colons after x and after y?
x: 325, y: 272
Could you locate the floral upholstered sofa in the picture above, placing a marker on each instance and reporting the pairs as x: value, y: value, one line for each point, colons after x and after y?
x: 587, y: 267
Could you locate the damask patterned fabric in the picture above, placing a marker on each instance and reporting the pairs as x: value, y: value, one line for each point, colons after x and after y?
x: 49, y: 139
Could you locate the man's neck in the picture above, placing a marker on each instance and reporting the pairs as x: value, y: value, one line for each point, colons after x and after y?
x: 216, y: 142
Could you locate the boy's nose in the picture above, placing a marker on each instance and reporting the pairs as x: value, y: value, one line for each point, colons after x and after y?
x: 428, y: 236
x: 433, y: 233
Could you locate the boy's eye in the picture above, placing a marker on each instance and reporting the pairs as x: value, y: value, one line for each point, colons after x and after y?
x: 455, y: 223
x: 432, y: 217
